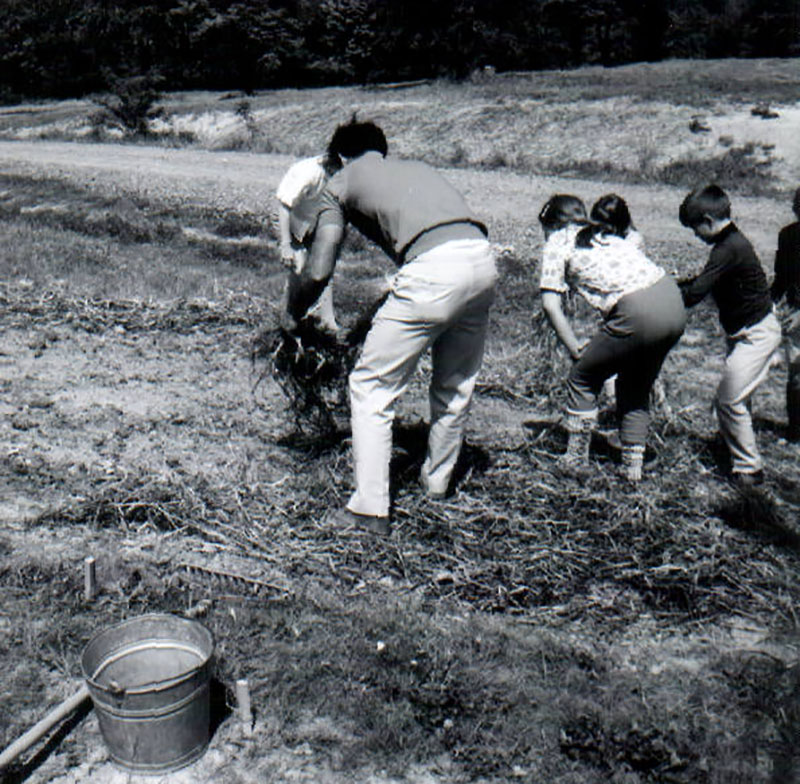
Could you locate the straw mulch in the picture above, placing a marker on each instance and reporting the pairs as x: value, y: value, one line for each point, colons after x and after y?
x: 515, y: 539
x: 311, y: 367
x: 34, y: 307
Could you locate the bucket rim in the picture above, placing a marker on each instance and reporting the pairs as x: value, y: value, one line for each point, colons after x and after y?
x: 162, y: 685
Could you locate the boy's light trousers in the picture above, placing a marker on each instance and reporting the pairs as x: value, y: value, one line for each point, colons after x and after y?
x: 792, y: 351
x: 439, y: 300
x: 746, y: 366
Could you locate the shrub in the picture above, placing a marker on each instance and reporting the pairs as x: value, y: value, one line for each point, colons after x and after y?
x: 130, y: 104
x: 745, y: 167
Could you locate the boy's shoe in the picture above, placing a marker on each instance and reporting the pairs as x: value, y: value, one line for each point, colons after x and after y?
x: 345, y: 518
x: 742, y: 480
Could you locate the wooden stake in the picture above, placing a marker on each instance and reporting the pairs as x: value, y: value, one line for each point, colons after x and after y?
x: 243, y: 702
x: 89, y: 579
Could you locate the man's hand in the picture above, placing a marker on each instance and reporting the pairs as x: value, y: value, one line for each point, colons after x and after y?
x: 790, y: 320
x: 288, y: 323
x: 287, y: 256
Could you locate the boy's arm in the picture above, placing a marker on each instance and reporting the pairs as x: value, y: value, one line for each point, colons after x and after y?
x: 695, y: 289
x: 793, y: 268
x: 284, y: 216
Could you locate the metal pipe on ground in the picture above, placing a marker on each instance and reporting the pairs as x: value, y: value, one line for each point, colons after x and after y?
x: 42, y: 727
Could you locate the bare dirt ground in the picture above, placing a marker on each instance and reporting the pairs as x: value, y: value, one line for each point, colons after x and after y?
x: 94, y: 396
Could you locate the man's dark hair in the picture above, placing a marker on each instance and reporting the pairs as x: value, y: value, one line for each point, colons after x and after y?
x: 355, y: 138
x: 708, y: 201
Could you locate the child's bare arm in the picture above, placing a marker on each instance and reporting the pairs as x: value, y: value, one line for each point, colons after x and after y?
x: 551, y: 304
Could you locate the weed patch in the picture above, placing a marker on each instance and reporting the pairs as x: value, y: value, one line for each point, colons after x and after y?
x: 745, y: 168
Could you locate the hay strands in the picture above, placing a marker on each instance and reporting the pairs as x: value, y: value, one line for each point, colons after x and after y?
x: 229, y: 581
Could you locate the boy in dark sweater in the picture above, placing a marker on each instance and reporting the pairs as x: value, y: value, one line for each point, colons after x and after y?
x: 785, y: 291
x: 735, y: 279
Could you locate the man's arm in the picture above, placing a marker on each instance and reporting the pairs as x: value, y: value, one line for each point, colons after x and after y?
x: 305, y: 289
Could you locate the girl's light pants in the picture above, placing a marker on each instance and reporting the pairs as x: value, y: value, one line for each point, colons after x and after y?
x: 439, y: 300
x: 746, y: 366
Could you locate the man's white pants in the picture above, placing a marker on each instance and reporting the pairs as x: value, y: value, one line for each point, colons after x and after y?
x: 439, y: 300
x: 746, y: 366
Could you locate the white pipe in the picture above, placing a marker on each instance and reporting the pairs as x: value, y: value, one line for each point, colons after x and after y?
x: 41, y: 728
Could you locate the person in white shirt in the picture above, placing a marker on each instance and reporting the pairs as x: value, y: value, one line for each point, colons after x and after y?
x: 297, y: 194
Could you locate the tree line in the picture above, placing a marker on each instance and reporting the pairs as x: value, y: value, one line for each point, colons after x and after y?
x: 69, y: 48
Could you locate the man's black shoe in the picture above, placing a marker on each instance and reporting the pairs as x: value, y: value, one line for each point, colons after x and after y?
x: 742, y: 480
x: 344, y: 518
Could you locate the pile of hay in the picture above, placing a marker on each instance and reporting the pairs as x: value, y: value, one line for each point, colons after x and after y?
x: 311, y: 367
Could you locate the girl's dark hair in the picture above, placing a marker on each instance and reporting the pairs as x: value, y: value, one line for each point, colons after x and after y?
x: 331, y: 162
x: 561, y: 210
x: 355, y: 138
x: 612, y: 212
x: 610, y: 215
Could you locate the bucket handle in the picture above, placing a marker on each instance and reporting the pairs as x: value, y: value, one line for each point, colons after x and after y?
x: 113, y: 689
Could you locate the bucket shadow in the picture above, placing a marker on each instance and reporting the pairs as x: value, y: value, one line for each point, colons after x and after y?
x: 220, y: 700
x: 17, y: 773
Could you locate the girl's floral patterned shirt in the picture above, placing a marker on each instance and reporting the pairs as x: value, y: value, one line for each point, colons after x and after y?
x: 603, y: 273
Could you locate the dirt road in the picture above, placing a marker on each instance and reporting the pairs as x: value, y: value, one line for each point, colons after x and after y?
x: 246, y: 182
x: 238, y: 181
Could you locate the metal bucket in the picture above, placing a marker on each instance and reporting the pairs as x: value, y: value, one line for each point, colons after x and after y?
x: 149, y: 680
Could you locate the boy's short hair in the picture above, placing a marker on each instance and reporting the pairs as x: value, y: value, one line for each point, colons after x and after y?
x: 708, y: 201
x: 796, y: 203
x: 355, y: 138
x: 561, y: 210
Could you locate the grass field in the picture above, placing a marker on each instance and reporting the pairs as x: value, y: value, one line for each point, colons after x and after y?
x: 532, y: 627
x: 630, y: 123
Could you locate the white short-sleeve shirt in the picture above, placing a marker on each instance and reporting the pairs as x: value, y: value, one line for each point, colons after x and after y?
x: 602, y: 274
x: 304, y: 180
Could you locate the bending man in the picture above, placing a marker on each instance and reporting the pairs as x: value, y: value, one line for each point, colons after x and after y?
x: 439, y: 299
